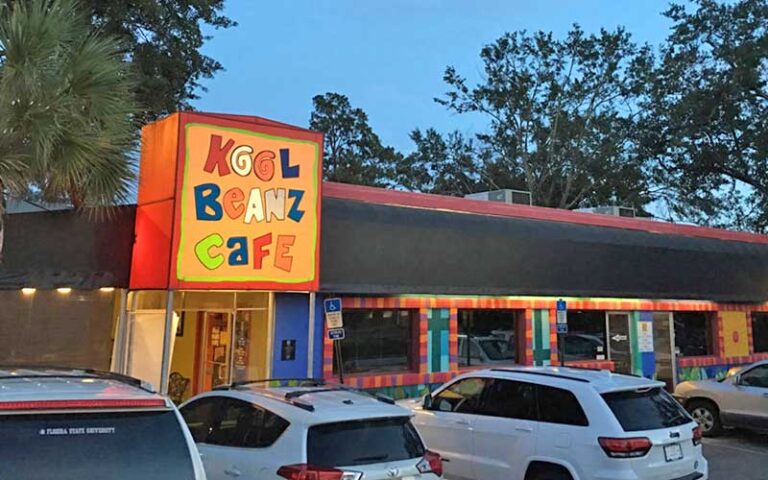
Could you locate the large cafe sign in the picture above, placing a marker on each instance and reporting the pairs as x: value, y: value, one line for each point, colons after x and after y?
x: 227, y: 202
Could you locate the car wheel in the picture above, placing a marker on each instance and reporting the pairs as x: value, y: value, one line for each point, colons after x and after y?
x: 547, y: 471
x: 707, y: 415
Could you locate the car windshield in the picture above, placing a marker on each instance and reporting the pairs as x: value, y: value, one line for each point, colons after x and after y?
x: 646, y: 409
x: 118, y: 446
x: 363, y: 442
x: 496, y: 349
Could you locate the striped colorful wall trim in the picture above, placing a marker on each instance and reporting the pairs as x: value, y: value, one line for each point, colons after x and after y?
x: 542, y: 352
x: 438, y: 340
x: 522, y: 302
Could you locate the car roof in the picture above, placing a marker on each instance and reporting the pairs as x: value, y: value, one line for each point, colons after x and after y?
x: 30, y: 384
x: 314, y: 405
x: 603, y: 381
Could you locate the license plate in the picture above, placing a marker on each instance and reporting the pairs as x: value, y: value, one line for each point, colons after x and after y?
x: 673, y: 452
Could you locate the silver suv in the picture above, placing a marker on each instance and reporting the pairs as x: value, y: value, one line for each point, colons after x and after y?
x: 738, y: 400
x: 74, y: 424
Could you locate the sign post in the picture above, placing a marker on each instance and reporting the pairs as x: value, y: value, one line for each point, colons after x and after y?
x: 562, y: 328
x: 335, y: 322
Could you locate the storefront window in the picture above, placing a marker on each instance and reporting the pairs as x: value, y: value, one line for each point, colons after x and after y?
x: 379, y: 341
x: 585, y: 339
x: 760, y: 331
x: 693, y: 333
x: 488, y: 336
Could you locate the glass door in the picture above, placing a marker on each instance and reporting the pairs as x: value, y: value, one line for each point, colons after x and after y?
x: 663, y: 346
x: 619, y: 350
x: 216, y: 354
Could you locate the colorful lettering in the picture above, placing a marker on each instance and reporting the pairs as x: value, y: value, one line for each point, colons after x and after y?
x: 264, y: 165
x: 203, y: 251
x: 274, y: 200
x: 233, y: 205
x: 239, y: 253
x: 206, y: 206
x: 295, y: 214
x: 289, y: 171
x: 259, y: 252
x: 255, y: 207
x: 283, y: 260
x: 217, y: 156
x: 240, y: 159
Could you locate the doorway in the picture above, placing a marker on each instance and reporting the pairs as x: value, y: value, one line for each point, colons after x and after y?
x: 216, y: 351
x: 619, y: 351
x: 663, y: 346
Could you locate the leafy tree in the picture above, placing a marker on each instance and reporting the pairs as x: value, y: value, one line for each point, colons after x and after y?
x: 445, y: 165
x: 706, y: 120
x: 162, y: 40
x: 562, y: 116
x: 353, y: 152
x: 66, y: 127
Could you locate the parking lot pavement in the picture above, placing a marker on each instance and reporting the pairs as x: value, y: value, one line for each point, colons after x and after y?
x: 737, y: 455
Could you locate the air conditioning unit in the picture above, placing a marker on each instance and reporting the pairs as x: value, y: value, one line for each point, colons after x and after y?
x: 612, y: 210
x: 517, y: 197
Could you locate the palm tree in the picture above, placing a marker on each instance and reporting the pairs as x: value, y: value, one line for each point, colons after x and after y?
x: 66, y: 108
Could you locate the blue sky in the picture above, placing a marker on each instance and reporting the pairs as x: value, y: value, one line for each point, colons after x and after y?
x: 388, y: 57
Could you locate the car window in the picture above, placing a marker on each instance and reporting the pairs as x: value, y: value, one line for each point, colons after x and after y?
x: 560, y: 406
x: 647, y: 409
x: 509, y: 399
x: 363, y: 442
x: 462, y: 397
x: 242, y: 424
x: 474, y: 350
x: 757, y: 377
x: 116, y: 445
x: 200, y: 416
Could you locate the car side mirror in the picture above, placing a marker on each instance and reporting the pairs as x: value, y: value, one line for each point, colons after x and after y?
x: 737, y: 379
x: 427, y: 403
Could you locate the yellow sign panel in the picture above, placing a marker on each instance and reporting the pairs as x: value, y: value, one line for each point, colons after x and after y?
x: 735, y: 334
x: 249, y: 209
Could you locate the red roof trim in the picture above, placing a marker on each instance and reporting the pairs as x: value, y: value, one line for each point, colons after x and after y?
x: 482, y: 207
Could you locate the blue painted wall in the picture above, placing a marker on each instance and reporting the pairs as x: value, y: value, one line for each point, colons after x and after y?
x: 291, y: 323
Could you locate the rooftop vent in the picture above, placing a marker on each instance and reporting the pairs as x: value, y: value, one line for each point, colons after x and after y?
x: 614, y: 210
x: 518, y: 197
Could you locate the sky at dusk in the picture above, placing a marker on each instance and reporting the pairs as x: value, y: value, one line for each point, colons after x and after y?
x: 388, y: 57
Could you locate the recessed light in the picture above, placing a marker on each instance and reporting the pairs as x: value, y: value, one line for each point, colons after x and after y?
x: 28, y: 291
x: 64, y: 291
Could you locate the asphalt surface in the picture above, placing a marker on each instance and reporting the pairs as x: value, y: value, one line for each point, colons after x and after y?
x: 737, y: 455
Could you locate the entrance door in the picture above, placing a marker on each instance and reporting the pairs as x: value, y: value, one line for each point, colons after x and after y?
x: 216, y: 353
x: 663, y: 346
x: 618, y: 342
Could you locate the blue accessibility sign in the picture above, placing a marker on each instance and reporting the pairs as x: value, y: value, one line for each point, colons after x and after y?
x: 332, y: 305
x: 336, y: 334
x: 561, y: 305
x: 562, y: 328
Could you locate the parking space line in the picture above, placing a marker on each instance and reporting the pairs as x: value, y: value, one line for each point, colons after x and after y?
x: 721, y: 444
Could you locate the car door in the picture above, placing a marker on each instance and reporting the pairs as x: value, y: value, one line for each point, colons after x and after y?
x: 504, y: 436
x: 446, y: 425
x: 748, y: 406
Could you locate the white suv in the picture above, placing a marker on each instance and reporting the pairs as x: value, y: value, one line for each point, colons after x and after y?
x: 75, y: 424
x: 537, y: 423
x: 306, y: 430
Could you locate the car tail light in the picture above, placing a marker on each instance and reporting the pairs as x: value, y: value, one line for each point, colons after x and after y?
x: 310, y: 472
x: 696, y: 436
x: 625, y: 447
x: 431, y: 463
x: 78, y: 404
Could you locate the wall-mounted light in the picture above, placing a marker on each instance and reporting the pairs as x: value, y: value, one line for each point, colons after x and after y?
x: 28, y: 291
x: 64, y: 291
x: 107, y: 289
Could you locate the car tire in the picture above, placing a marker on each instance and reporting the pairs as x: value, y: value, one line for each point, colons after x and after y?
x: 707, y: 415
x: 547, y: 471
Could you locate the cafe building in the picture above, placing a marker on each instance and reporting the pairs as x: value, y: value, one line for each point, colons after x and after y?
x: 220, y: 273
